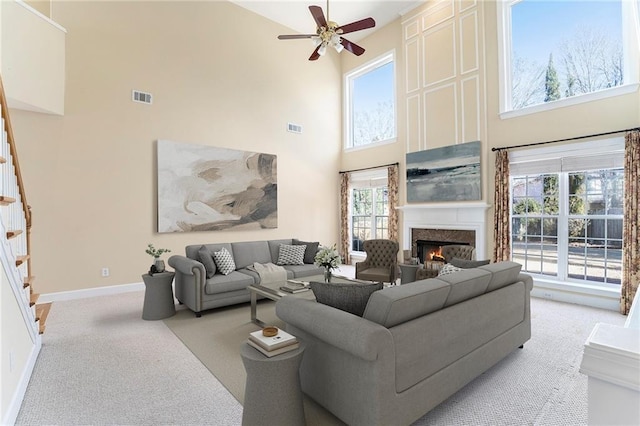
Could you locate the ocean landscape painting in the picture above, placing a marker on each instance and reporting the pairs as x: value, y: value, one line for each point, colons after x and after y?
x: 205, y: 188
x: 450, y: 173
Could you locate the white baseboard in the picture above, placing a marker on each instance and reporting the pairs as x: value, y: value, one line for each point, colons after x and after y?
x: 90, y: 292
x: 16, y: 401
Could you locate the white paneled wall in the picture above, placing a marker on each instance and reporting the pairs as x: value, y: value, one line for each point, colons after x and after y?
x: 444, y: 74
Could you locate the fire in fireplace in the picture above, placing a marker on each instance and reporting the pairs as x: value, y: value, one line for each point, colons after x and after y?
x: 432, y: 250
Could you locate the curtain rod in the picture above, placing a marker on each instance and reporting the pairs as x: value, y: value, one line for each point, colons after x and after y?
x: 564, y: 140
x: 369, y: 168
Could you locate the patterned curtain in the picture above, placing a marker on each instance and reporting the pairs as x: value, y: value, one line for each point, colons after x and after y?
x: 501, y: 234
x: 631, y: 218
x: 344, y: 217
x: 392, y: 177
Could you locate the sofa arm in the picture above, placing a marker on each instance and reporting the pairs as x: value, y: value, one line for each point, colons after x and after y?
x: 186, y: 266
x: 352, y: 334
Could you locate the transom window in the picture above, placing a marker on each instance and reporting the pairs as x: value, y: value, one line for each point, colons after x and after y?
x: 369, y: 104
x: 560, y: 50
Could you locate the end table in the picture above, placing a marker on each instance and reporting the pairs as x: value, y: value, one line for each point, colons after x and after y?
x: 158, y: 296
x: 272, y: 394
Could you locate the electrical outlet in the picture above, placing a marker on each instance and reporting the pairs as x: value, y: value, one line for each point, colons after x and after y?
x: 105, y: 272
x: 548, y: 295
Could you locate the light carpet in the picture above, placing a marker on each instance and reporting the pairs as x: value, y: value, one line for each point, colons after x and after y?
x: 540, y: 384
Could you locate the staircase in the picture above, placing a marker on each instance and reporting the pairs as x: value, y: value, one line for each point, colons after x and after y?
x: 15, y: 229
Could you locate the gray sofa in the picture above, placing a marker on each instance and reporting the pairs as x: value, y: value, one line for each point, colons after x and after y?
x: 415, y: 345
x: 199, y: 293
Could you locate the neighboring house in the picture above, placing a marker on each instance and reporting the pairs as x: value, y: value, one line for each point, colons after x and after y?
x: 220, y: 77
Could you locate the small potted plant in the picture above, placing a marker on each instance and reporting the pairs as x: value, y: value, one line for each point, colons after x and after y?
x: 329, y: 259
x: 158, y: 264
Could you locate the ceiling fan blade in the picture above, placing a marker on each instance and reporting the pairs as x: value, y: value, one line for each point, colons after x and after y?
x: 362, y: 24
x: 315, y: 55
x: 351, y: 47
x: 318, y: 16
x: 295, y: 36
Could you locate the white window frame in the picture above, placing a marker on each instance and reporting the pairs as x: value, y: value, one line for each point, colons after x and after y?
x: 389, y: 57
x: 631, y: 49
x: 361, y: 180
x: 613, y: 148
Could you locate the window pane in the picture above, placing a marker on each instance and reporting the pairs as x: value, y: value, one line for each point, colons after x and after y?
x: 564, y: 48
x: 372, y: 106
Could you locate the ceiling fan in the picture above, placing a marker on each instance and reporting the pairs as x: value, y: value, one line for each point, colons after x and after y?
x: 329, y: 34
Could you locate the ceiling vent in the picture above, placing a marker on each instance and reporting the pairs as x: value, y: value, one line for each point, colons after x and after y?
x: 294, y: 128
x: 142, y: 97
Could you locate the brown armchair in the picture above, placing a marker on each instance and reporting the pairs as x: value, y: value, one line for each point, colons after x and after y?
x: 381, y: 263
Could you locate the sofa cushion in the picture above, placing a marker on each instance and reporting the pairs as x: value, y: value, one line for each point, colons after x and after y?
x: 448, y: 269
x: 298, y: 271
x: 466, y: 264
x: 206, y: 258
x: 466, y: 284
x: 274, y: 248
x: 291, y: 254
x: 398, y: 304
x: 225, y: 283
x: 224, y: 261
x: 311, y: 250
x: 503, y: 273
x: 349, y: 297
x: 247, y: 253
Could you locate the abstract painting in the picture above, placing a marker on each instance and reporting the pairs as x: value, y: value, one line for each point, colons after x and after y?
x: 450, y: 173
x: 204, y: 188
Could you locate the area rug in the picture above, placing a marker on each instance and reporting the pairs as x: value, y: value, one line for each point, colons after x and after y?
x: 215, y: 339
x: 540, y: 384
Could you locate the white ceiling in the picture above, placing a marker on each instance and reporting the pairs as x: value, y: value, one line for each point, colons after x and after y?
x: 295, y: 13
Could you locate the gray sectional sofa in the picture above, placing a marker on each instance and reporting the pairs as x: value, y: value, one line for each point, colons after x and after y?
x: 415, y: 345
x: 198, y: 292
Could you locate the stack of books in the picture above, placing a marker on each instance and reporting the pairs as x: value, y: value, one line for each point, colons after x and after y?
x: 292, y: 286
x: 273, y: 345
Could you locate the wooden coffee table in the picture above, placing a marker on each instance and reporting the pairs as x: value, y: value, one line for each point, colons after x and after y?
x: 272, y: 291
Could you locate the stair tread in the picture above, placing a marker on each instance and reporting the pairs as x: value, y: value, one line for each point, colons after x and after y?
x: 42, y: 312
x: 33, y: 298
x: 6, y: 200
x: 28, y: 281
x: 13, y: 233
x: 21, y: 259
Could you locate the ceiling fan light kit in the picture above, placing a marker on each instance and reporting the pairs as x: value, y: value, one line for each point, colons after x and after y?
x: 329, y: 34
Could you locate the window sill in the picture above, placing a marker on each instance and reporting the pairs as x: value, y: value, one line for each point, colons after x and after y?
x: 574, y: 100
x: 371, y: 145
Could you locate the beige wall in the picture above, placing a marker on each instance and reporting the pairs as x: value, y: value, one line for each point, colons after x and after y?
x: 219, y: 77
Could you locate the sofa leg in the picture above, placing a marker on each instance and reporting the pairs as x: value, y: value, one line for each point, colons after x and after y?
x: 521, y: 347
x: 198, y: 314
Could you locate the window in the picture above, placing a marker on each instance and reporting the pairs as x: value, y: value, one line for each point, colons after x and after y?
x: 567, y: 223
x: 369, y: 207
x: 561, y: 50
x: 369, y: 104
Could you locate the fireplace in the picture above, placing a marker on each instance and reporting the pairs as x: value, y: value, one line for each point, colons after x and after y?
x: 450, y: 223
x: 431, y: 250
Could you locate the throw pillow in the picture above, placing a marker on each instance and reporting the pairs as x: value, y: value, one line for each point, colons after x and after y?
x: 206, y: 258
x: 448, y: 269
x: 291, y: 255
x: 466, y: 264
x: 310, y: 252
x: 224, y: 261
x: 349, y: 297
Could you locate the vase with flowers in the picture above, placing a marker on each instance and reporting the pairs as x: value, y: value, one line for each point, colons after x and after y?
x: 329, y: 259
x: 158, y: 264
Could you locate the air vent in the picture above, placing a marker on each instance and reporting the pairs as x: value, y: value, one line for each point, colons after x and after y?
x: 294, y: 128
x: 142, y: 97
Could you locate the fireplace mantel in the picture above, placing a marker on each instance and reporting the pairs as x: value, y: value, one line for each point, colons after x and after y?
x: 470, y: 216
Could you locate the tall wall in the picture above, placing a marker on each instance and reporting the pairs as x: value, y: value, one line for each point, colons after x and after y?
x: 219, y: 77
x: 448, y: 92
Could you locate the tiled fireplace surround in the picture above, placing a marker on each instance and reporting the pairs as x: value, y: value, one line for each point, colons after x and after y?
x: 457, y: 222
